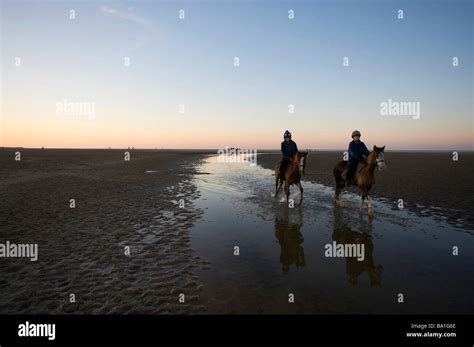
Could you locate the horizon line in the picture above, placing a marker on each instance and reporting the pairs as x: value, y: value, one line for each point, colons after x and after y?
x: 217, y: 149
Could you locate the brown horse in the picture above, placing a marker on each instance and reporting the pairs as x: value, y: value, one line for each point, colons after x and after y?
x: 292, y: 175
x: 364, y: 176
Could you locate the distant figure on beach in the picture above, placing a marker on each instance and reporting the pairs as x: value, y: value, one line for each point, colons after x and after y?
x: 357, y: 152
x: 288, y: 150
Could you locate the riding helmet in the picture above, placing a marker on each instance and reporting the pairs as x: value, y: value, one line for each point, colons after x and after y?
x: 355, y: 133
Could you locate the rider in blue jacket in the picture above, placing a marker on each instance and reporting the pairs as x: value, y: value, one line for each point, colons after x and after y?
x: 357, y: 152
x: 288, y: 150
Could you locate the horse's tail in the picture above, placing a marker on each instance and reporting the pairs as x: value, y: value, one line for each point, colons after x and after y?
x: 338, y: 169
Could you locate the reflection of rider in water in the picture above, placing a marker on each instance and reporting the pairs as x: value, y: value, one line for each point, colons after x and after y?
x: 290, y: 238
x: 343, y: 234
x: 355, y: 268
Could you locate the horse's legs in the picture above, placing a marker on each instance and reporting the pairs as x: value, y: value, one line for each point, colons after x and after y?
x: 278, y: 189
x: 363, y: 195
x: 339, y: 190
x: 371, y: 209
x: 301, y: 192
x: 339, y: 186
x: 277, y: 179
x: 287, y: 190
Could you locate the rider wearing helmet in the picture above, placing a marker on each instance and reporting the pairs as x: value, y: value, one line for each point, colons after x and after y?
x: 357, y: 152
x: 288, y: 150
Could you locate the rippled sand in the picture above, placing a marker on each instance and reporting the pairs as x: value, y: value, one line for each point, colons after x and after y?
x: 190, y: 250
x: 81, y: 250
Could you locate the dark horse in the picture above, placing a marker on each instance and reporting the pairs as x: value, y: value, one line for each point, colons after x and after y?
x: 292, y: 175
x: 364, y: 176
x: 344, y: 234
x: 288, y: 233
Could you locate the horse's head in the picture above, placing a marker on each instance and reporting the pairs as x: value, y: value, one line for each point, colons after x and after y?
x: 300, y: 159
x: 379, y: 157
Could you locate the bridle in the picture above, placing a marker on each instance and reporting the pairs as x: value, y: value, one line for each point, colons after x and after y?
x: 380, y: 158
x: 302, y: 163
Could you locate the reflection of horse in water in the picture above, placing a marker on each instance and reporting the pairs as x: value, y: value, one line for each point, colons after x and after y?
x: 343, y: 234
x: 288, y: 234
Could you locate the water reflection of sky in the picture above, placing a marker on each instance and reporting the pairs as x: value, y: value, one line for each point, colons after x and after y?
x: 282, y: 251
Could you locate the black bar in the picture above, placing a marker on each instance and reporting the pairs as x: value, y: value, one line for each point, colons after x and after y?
x: 264, y: 329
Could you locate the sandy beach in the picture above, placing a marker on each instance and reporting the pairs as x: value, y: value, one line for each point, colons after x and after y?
x: 81, y: 249
x: 189, y: 249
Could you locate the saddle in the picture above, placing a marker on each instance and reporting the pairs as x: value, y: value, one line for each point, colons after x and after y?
x: 363, y: 162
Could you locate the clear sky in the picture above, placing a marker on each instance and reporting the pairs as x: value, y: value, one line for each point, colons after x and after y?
x: 190, y: 62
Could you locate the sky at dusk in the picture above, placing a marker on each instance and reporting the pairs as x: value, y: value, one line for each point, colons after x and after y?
x: 132, y: 73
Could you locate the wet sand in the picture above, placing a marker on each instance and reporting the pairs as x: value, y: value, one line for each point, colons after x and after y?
x: 189, y: 250
x: 282, y: 251
x: 82, y: 250
x: 429, y: 183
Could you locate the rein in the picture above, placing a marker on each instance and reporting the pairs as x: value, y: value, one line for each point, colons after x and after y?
x: 366, y: 164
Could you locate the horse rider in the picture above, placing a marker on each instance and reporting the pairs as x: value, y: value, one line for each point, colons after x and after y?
x: 357, y: 152
x: 288, y: 150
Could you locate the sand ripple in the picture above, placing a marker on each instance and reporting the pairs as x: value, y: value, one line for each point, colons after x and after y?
x: 81, y: 250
